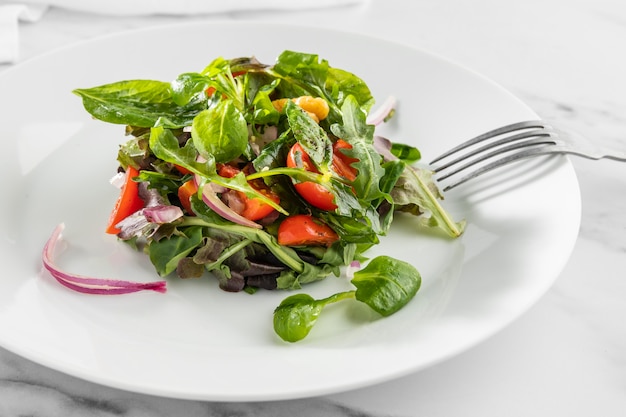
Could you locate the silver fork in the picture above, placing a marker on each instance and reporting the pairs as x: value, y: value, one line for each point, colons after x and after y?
x: 511, y: 143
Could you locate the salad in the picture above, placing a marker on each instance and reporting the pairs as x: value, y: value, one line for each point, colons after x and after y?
x: 267, y: 177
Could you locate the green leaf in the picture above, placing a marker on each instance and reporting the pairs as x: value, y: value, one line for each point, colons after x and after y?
x: 406, y: 153
x: 297, y: 314
x: 386, y: 284
x: 140, y: 103
x: 220, y: 132
x: 166, y: 253
x: 295, y: 317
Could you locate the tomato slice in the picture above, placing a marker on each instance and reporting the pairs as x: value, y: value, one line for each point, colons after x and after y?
x: 185, y: 192
x: 127, y: 203
x: 254, y: 209
x: 304, y: 229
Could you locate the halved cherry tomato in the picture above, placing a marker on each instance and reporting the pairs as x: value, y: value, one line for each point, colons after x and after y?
x: 303, y: 229
x: 254, y: 209
x: 127, y: 203
x: 315, y: 194
x: 182, y: 170
x: 185, y: 192
x: 342, y: 162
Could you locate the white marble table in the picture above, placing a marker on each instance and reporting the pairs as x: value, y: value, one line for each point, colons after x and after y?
x: 567, y: 355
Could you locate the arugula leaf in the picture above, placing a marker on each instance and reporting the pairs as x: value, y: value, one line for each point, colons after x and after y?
x: 360, y: 136
x: 311, y: 136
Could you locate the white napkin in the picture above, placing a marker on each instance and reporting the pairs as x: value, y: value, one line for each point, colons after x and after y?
x: 32, y: 10
x: 10, y: 16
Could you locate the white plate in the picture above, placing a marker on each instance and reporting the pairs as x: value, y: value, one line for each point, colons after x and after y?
x: 197, y: 342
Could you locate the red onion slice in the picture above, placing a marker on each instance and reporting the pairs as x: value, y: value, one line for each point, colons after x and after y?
x: 352, y: 268
x: 213, y: 201
x: 90, y: 285
x: 380, y: 114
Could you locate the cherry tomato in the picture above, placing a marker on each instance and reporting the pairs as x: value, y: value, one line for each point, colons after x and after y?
x: 127, y: 203
x: 315, y: 194
x: 303, y: 229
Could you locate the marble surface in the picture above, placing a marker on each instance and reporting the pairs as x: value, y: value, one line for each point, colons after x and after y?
x: 564, y: 357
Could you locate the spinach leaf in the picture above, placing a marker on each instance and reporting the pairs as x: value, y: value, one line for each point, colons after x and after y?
x: 406, y: 153
x: 189, y: 86
x: 165, y: 146
x: 306, y: 74
x: 220, y: 132
x: 142, y: 103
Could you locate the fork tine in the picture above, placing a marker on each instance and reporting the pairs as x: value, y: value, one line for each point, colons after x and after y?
x: 528, y: 153
x: 517, y: 140
x: 490, y: 134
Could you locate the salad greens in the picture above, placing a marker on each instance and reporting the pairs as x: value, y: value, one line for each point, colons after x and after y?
x: 268, y: 177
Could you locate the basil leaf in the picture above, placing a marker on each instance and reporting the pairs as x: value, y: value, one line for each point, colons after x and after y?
x: 386, y: 284
x: 220, y: 131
